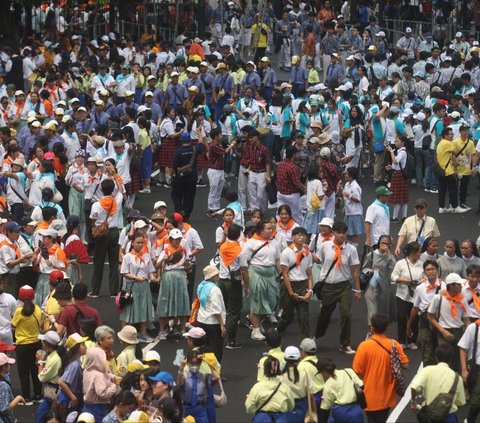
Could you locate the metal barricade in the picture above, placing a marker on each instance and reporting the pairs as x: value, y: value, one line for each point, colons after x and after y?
x: 396, y: 28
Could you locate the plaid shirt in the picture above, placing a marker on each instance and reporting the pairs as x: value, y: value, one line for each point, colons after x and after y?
x: 331, y: 175
x: 215, y: 156
x: 288, y: 178
x: 258, y: 158
x: 246, y: 153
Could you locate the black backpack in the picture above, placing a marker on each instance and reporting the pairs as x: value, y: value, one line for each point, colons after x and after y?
x: 409, y: 170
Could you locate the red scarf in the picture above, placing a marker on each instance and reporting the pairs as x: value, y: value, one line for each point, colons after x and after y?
x: 338, y: 255
x: 259, y: 238
x: 457, y: 299
x: 299, y: 254
x: 328, y: 237
x: 169, y: 250
x: 432, y: 286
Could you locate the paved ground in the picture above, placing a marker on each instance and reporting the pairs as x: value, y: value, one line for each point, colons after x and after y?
x: 239, y: 367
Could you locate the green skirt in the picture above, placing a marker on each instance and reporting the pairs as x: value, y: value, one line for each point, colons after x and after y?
x: 76, y: 203
x: 42, y: 290
x: 173, y: 294
x: 141, y: 310
x: 264, y: 289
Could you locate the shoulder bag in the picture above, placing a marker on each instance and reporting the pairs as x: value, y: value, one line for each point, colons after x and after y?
x: 360, y: 394
x: 396, y: 367
x: 439, y: 408
x: 102, y: 230
x: 269, y: 398
x: 318, y: 287
x: 256, y: 251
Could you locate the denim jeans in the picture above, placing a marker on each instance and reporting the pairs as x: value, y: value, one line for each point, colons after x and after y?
x: 431, y: 181
x: 423, y: 160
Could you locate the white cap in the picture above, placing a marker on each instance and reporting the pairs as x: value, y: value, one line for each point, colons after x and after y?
x: 380, y: 34
x: 159, y: 204
x: 150, y: 77
x: 408, y: 30
x: 74, y: 100
x: 151, y: 356
x: 105, y: 38
x: 104, y: 93
x: 19, y: 92
x: 59, y: 111
x: 195, y: 69
x: 99, y: 103
x: 349, y: 85
x: 295, y: 60
x: 129, y: 93
x: 420, y: 116
x: 455, y: 114
x: 447, y: 58
x: 148, y: 94
x: 175, y: 234
x: 139, y: 224
x: 36, y: 124
x: 458, y: 35
x: 250, y: 63
x: 174, y: 74
x: 81, y: 109
x: 453, y: 278
x: 248, y: 110
x: 351, y: 57
x: 326, y: 221
x: 292, y: 353
x: 142, y: 109
x: 203, y: 63
x: 407, y: 112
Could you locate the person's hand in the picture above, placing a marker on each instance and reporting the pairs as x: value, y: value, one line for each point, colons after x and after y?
x: 223, y: 330
x: 388, y: 167
x: 247, y: 292
x: 358, y: 296
x: 19, y: 399
x: 308, y: 296
x: 397, y: 251
x: 464, y: 376
x: 51, y: 319
x: 448, y: 336
x: 74, y: 402
x: 268, y: 179
x: 48, y: 262
x: 294, y: 296
x: 183, y: 363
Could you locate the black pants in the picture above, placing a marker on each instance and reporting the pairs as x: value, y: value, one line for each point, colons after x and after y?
x: 403, y: 313
x: 232, y: 296
x: 379, y: 416
x: 214, y: 339
x: 17, y: 212
x: 447, y: 183
x: 464, y: 188
x: 259, y: 54
x: 183, y: 196
x: 191, y: 282
x: 277, y: 148
x: 27, y: 275
x: 103, y: 246
x: 28, y: 369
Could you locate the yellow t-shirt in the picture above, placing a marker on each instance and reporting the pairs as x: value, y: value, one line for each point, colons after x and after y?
x: 27, y: 328
x: 51, y: 308
x: 444, y: 151
x: 262, y: 38
x: 464, y: 160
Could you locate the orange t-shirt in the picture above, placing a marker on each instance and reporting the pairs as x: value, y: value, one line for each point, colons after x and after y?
x: 372, y: 364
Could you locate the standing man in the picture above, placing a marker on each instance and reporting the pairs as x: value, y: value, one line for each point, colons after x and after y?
x: 298, y: 75
x: 407, y: 46
x: 106, y: 210
x: 329, y: 45
x: 377, y: 218
x: 418, y: 227
x: 289, y: 185
x: 471, y: 292
x: 448, y: 313
x: 341, y: 263
x: 372, y: 365
x: 259, y: 167
x: 269, y: 78
x: 184, y: 184
x: 296, y: 263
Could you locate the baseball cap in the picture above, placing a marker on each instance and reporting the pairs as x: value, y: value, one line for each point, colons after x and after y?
x: 295, y: 60
x: 26, y: 292
x: 51, y: 125
x: 135, y: 366
x: 137, y: 416
x: 5, y: 359
x: 164, y: 377
x: 292, y: 353
x: 175, y: 234
x: 177, y: 217
x: 19, y: 92
x: 74, y: 339
x: 157, y: 216
x: 308, y: 345
x: 326, y: 221
x: 420, y: 202
x: 383, y: 191
x: 86, y: 418
x: 195, y: 333
x: 148, y: 94
x: 408, y: 30
x: 159, y: 204
x: 55, y: 275
x: 458, y: 35
x: 51, y: 337
x: 150, y: 77
x: 419, y: 116
x: 139, y: 224
x: 453, y: 278
x: 151, y: 356
x: 265, y: 59
x: 13, y: 227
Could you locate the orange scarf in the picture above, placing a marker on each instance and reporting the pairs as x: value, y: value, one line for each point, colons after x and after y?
x: 229, y: 251
x: 304, y: 252
x: 92, y: 179
x: 338, y: 255
x: 432, y: 286
x: 42, y: 225
x: 186, y: 228
x: 286, y: 227
x: 139, y: 255
x: 259, y: 238
x: 475, y: 298
x: 58, y: 166
x: 274, y: 234
x: 457, y: 299
x: 328, y: 237
x: 169, y: 250
x: 12, y: 246
x: 109, y: 205
x: 58, y: 253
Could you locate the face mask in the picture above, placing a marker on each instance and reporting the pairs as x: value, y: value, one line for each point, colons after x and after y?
x: 194, y: 369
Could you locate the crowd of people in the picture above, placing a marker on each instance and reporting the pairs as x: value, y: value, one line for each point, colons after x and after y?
x: 89, y: 125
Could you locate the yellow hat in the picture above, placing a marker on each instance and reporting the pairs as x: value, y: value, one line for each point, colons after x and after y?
x: 74, y: 339
x: 51, y: 125
x: 221, y: 65
x: 137, y: 417
x: 135, y: 366
x: 189, y: 419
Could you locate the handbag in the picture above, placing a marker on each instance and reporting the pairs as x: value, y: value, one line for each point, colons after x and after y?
x: 57, y: 197
x: 194, y: 312
x: 220, y: 399
x: 359, y: 392
x: 311, y: 415
x: 318, y: 287
x: 50, y: 391
x: 315, y: 202
x: 101, y: 230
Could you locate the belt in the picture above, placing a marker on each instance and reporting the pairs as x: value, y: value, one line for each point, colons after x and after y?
x: 258, y: 171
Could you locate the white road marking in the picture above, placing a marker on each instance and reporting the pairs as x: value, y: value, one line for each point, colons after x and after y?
x: 149, y: 346
x: 395, y: 414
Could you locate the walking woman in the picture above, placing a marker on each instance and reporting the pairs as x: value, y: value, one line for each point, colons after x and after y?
x: 451, y: 261
x: 75, y: 179
x: 138, y: 270
x: 315, y: 204
x: 26, y: 322
x: 352, y: 194
x: 378, y: 295
x: 169, y: 135
x: 173, y: 299
x: 146, y: 154
x: 259, y: 260
x: 399, y: 186
x: 407, y: 274
x: 353, y: 130
x: 339, y: 396
x: 270, y: 399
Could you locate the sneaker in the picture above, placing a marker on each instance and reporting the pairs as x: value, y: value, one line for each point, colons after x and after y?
x: 151, y: 326
x: 167, y: 185
x: 37, y: 399
x: 162, y: 335
x: 443, y: 210
x: 434, y: 191
x: 413, y: 346
x: 347, y: 350
x: 248, y: 323
x: 201, y: 184
x: 92, y: 295
x: 232, y: 345
x: 273, y: 319
x: 257, y: 335
x: 464, y: 206
x: 427, y: 190
x: 145, y: 338
x: 459, y: 210
x: 28, y: 401
x: 145, y: 190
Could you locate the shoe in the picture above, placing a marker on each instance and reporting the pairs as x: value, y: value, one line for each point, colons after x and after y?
x: 442, y: 210
x: 145, y: 190
x: 92, y: 295
x: 145, y: 338
x: 28, y: 401
x: 464, y: 206
x: 167, y: 185
x: 257, y: 335
x: 162, y: 336
x: 413, y: 181
x: 394, y: 220
x: 434, y: 191
x: 427, y: 190
x: 347, y: 350
x: 273, y: 319
x: 413, y: 346
x: 211, y: 213
x: 37, y: 399
x: 201, y: 184
x: 459, y: 210
x: 151, y: 326
x: 232, y: 345
x: 248, y: 323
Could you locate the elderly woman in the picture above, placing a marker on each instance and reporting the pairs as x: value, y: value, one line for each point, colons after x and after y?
x: 105, y: 337
x: 451, y: 261
x: 98, y: 385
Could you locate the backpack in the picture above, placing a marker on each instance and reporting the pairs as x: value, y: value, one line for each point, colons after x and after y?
x: 409, y: 170
x: 438, y: 409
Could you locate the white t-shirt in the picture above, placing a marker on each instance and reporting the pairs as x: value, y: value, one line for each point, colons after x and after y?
x: 353, y: 208
x: 8, y: 305
x: 380, y: 222
x: 467, y: 340
x: 314, y: 186
x: 99, y: 214
x: 446, y: 320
